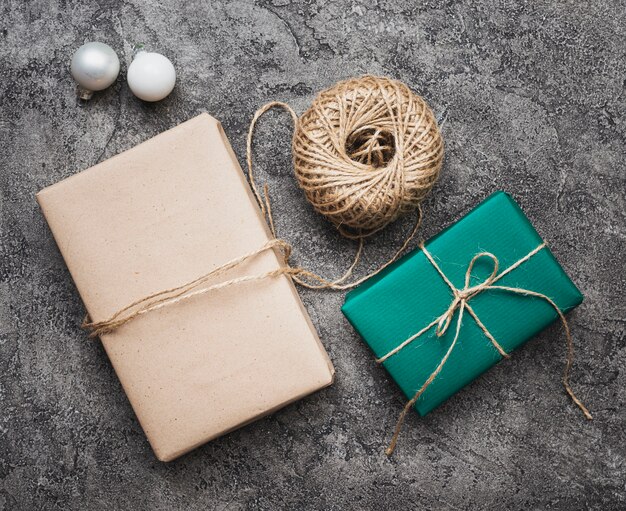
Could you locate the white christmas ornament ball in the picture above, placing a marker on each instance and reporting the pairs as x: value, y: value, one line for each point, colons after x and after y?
x: 94, y: 66
x: 151, y: 76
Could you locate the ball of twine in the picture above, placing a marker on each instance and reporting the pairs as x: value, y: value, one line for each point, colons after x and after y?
x: 367, y: 151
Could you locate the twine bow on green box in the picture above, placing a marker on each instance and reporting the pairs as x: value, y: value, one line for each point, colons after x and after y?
x: 434, y: 336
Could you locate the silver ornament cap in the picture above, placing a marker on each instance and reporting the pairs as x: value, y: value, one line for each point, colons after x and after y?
x: 94, y: 66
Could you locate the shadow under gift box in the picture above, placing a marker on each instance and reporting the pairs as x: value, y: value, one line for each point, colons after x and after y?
x: 155, y: 217
x: 400, y: 301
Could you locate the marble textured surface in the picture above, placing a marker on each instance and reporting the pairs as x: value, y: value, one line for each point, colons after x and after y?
x: 531, y: 98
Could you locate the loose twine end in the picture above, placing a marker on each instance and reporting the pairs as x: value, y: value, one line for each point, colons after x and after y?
x: 396, y: 432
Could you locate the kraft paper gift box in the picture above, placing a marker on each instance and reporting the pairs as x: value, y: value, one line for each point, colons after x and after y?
x: 158, y: 216
x: 396, y: 304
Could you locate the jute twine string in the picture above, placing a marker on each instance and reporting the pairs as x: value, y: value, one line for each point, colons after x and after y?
x: 365, y: 152
x: 460, y: 302
x: 188, y: 290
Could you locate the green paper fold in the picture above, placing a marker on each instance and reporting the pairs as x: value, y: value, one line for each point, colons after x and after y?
x: 395, y: 304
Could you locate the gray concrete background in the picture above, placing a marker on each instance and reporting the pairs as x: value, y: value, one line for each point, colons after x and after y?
x: 532, y: 99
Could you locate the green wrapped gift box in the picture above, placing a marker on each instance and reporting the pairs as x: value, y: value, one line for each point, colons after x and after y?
x: 393, y: 306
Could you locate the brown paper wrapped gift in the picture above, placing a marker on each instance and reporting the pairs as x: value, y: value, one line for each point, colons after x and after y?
x: 158, y: 216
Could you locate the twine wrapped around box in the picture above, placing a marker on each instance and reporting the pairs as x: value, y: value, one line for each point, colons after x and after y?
x: 460, y: 302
